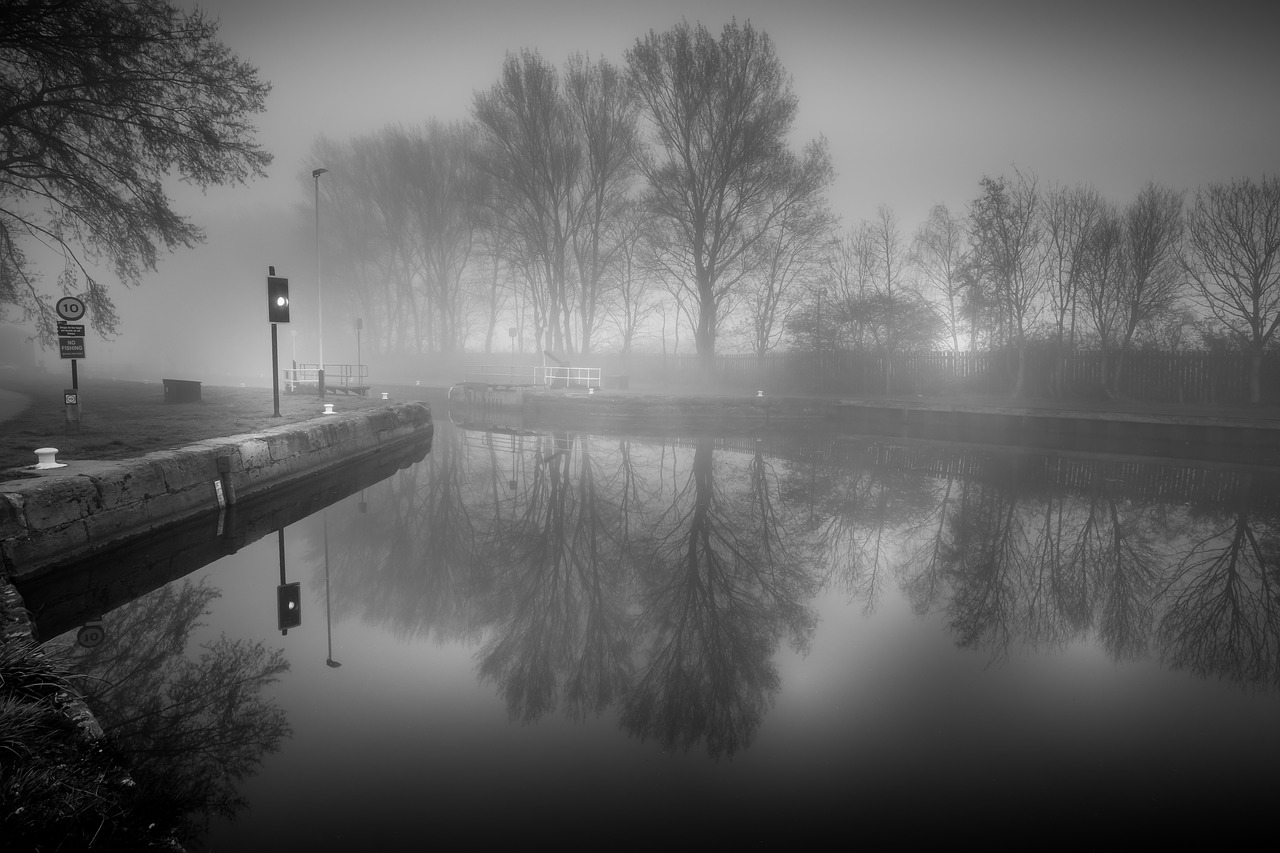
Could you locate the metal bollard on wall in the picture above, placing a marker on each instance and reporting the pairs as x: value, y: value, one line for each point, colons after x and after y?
x: 46, y: 457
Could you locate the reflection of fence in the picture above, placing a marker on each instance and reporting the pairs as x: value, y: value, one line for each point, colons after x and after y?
x: 1079, y: 473
x: 1201, y: 483
x: 346, y: 378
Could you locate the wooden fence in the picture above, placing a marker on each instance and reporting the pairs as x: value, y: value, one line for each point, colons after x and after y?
x: 1199, y: 378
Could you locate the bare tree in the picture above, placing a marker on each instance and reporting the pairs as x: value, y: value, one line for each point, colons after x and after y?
x: 788, y: 254
x: 1069, y: 214
x: 403, y: 218
x: 602, y: 112
x: 1233, y: 260
x: 533, y: 160
x: 629, y: 299
x: 1103, y: 273
x: 1007, y: 245
x: 443, y: 203
x: 851, y: 276
x: 720, y: 112
x: 937, y: 252
x: 560, y: 157
x: 367, y: 241
x: 1155, y: 282
x: 889, y: 255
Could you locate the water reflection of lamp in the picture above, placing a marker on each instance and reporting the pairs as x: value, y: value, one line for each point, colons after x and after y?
x: 328, y: 622
x: 288, y: 597
x: 511, y: 484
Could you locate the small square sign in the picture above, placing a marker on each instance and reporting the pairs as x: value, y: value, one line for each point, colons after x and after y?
x: 71, y: 347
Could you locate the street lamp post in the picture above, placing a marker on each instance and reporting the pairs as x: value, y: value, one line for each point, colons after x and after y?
x: 315, y: 175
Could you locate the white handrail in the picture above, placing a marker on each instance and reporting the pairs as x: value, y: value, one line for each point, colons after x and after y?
x: 546, y: 376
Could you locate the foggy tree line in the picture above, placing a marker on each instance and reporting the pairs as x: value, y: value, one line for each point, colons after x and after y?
x: 588, y: 203
x: 592, y: 205
x: 595, y: 205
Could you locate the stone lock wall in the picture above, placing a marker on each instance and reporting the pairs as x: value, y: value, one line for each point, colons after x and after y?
x: 68, y: 512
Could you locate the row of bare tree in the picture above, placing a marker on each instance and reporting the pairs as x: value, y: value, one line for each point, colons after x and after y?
x: 586, y: 201
x: 1061, y: 264
x: 593, y: 203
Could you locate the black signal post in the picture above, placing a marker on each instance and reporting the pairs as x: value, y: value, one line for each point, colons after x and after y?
x: 277, y: 312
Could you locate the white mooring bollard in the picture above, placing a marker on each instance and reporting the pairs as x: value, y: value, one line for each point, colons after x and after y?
x: 328, y: 409
x: 46, y: 458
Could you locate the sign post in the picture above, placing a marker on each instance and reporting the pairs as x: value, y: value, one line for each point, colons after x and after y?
x: 71, y: 345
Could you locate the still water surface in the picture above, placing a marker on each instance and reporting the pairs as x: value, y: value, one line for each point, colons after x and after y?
x: 526, y: 634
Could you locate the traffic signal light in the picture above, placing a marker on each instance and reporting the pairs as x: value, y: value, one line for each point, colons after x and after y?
x: 277, y: 299
x: 289, y: 605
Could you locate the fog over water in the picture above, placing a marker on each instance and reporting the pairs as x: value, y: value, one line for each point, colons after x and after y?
x: 539, y: 630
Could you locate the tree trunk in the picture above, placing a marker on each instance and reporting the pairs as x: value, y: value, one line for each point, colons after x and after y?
x: 705, y: 335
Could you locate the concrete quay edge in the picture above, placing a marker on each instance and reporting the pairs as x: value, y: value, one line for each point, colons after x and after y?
x: 71, y: 511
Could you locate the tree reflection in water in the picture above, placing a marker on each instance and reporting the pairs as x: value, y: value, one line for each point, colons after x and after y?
x: 659, y: 578
x: 192, y: 728
x: 560, y: 623
x: 1222, y: 614
x: 721, y: 584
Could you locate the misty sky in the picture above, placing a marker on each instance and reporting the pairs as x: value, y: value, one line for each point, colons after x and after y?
x: 917, y: 98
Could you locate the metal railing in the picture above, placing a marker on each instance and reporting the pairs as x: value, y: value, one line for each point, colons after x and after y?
x: 571, y: 377
x: 347, y: 378
x: 512, y: 376
x: 502, y: 376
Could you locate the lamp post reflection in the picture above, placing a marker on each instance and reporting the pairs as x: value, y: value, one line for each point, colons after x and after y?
x: 328, y: 620
x: 512, y: 483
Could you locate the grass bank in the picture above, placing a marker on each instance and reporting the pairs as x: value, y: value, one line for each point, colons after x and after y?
x: 122, y: 419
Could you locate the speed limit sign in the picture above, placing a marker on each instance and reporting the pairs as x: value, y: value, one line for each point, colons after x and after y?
x: 70, y: 308
x: 91, y: 634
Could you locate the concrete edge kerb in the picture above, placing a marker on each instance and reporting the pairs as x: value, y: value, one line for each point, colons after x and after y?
x: 68, y: 512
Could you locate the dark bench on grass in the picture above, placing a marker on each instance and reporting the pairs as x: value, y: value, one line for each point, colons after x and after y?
x: 181, y: 391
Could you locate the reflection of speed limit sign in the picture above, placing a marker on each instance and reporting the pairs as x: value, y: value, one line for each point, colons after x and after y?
x: 69, y: 308
x: 90, y: 634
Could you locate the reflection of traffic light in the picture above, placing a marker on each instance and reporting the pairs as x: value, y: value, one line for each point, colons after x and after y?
x: 289, y: 605
x: 278, y: 299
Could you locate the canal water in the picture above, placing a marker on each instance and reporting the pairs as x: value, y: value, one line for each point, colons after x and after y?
x: 600, y: 639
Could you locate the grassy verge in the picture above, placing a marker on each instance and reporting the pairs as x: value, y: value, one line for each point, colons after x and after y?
x: 125, y: 419
x: 60, y: 789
